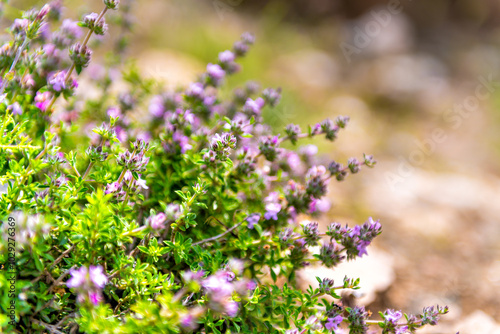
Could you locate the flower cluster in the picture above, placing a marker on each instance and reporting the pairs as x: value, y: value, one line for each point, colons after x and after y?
x: 88, y: 282
x: 354, y: 240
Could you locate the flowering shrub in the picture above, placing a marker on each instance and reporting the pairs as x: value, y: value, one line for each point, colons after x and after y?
x: 180, y: 212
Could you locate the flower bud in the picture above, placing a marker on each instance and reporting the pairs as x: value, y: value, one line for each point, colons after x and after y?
x: 80, y: 55
x: 112, y: 4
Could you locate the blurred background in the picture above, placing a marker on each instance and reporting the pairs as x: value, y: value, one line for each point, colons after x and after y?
x: 420, y: 81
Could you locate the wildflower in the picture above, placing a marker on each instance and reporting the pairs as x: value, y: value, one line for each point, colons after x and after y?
x: 272, y: 96
x: 215, y: 74
x: 42, y: 100
x: 269, y: 147
x: 316, y: 185
x: 392, y: 316
x: 156, y: 107
x: 353, y: 165
x: 196, y: 89
x: 15, y: 108
x: 311, y: 233
x: 181, y: 141
x: 92, y: 22
x: 341, y: 121
x: 57, y: 81
x: 112, y: 4
x: 219, y: 291
x: 114, y: 112
x: 333, y: 323
x: 292, y: 132
x: 157, y: 222
x: 253, y: 219
x: 329, y: 254
x: 326, y: 285
x: 71, y: 29
x: 80, y: 55
x: 88, y: 282
x: 254, y: 107
x: 273, y: 207
x: 321, y: 205
x: 226, y: 56
x: 112, y: 188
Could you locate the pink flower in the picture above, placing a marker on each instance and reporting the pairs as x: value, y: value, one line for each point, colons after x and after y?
x: 254, y: 106
x: 215, y: 71
x: 158, y: 221
x: 78, y: 277
x: 226, y: 56
x: 97, y: 276
x: 42, y: 100
x: 333, y: 323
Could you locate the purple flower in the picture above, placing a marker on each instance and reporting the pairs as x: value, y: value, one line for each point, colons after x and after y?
x: 308, y: 150
x: 121, y: 134
x: 401, y: 329
x: 15, y: 108
x: 253, y: 219
x: 361, y: 247
x: 188, y: 322
x: 72, y: 29
x: 49, y: 49
x: 95, y: 297
x: 97, y: 276
x: 209, y: 100
x: 42, y: 100
x: 231, y: 308
x: 321, y: 205
x: 247, y: 38
x: 112, y: 188
x: 114, y: 112
x: 144, y: 136
x: 254, y: 107
x: 272, y: 210
x: 57, y: 81
x: 141, y: 183
x: 218, y: 284
x: 333, y: 323
x: 196, y: 89
x: 88, y: 283
x: 156, y: 107
x: 226, y: 56
x: 374, y: 224
x: 78, y: 277
x: 215, y: 72
x: 193, y: 275
x: 182, y: 140
x: 393, y: 316
x: 158, y: 221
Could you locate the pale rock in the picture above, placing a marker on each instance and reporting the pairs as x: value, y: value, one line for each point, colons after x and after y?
x: 478, y: 322
x: 375, y: 271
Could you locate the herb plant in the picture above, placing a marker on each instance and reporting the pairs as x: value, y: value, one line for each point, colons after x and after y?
x: 155, y: 211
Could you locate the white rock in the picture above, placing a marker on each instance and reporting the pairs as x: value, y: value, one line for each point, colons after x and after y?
x: 478, y: 322
x: 375, y: 272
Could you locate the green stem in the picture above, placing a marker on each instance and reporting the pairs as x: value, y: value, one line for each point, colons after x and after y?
x: 14, y: 63
x: 72, y: 68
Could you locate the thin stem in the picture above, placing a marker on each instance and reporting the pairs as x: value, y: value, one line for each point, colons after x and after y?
x: 218, y: 236
x: 19, y: 147
x: 87, y: 171
x: 62, y: 256
x: 14, y: 63
x: 137, y: 230
x: 84, y: 43
x: 51, y: 328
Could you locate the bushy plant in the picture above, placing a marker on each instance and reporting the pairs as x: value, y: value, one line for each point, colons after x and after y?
x: 155, y: 211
